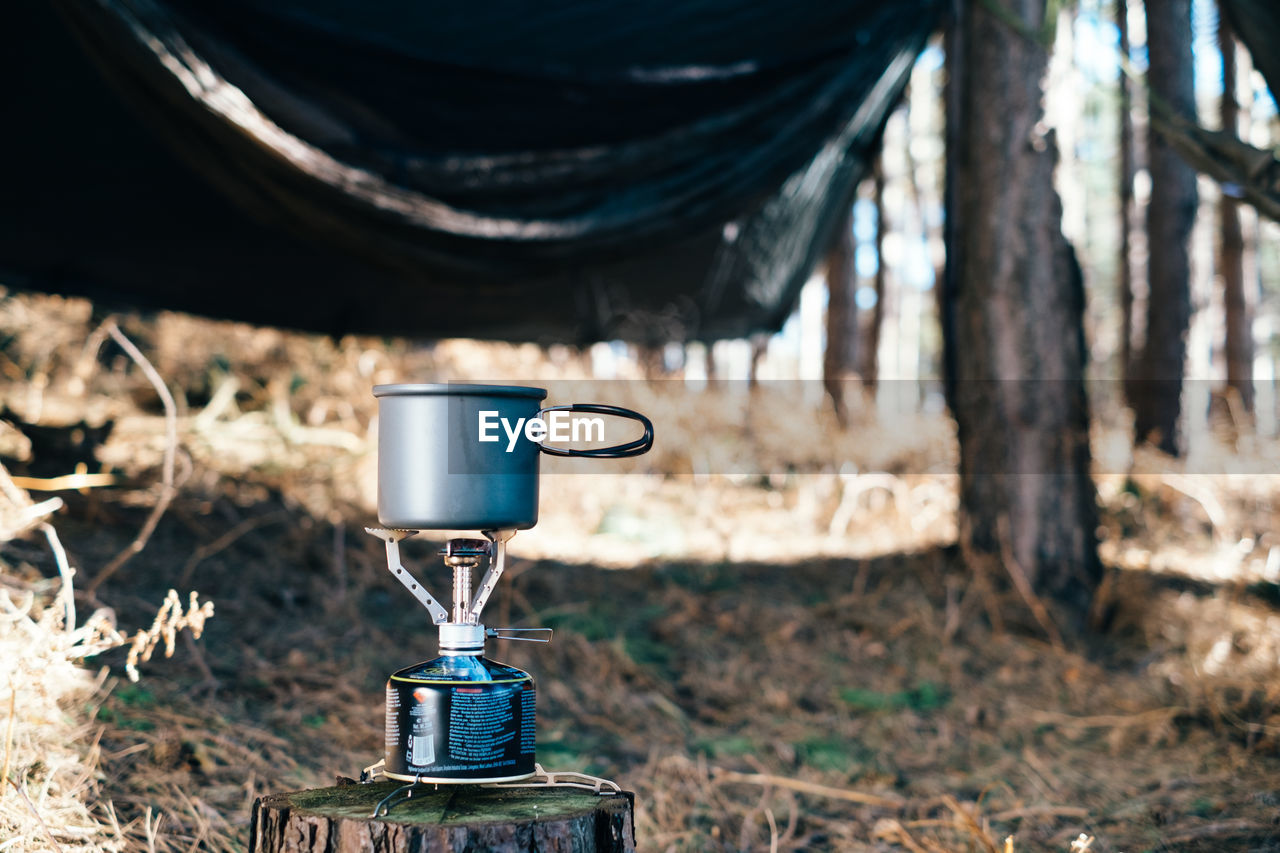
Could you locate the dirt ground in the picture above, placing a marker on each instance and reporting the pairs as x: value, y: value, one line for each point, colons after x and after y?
x: 790, y: 662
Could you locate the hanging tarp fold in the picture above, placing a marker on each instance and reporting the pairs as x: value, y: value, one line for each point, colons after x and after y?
x: 564, y: 170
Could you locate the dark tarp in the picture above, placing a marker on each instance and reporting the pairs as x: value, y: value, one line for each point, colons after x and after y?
x: 1257, y: 24
x: 562, y: 170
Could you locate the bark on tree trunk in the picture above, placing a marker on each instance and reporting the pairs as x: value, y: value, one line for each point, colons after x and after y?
x: 445, y: 819
x: 1013, y: 324
x: 1239, y: 325
x: 652, y: 361
x: 842, y: 321
x: 1170, y: 217
x: 759, y: 344
x: 1128, y: 210
x: 869, y: 367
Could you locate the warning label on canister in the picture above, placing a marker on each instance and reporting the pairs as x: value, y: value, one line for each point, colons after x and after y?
x: 460, y: 731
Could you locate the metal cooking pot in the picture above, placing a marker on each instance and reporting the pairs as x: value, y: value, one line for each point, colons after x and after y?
x: 462, y: 457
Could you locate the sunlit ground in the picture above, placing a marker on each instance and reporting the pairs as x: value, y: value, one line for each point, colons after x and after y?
x: 776, y: 653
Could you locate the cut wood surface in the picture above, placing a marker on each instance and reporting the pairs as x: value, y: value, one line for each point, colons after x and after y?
x: 444, y: 818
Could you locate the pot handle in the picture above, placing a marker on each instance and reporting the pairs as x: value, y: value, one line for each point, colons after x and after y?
x: 618, y: 451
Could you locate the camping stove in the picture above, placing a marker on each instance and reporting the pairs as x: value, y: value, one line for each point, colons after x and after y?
x: 465, y: 457
x: 460, y: 717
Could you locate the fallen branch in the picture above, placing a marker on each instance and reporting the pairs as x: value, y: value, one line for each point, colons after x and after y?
x: 1239, y: 826
x: 66, y: 482
x: 808, y: 788
x: 170, y: 449
x: 1106, y: 720
x: 1040, y: 811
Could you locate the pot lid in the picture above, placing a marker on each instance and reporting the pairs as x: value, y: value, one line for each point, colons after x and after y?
x: 457, y: 389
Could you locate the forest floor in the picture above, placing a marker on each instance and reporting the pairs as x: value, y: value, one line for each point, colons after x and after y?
x: 791, y: 661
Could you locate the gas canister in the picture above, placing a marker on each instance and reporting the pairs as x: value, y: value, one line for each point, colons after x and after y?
x: 460, y: 718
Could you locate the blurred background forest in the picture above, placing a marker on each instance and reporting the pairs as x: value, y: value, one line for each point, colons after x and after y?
x: 771, y: 627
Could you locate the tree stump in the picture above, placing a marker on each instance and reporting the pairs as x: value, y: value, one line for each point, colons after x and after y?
x: 443, y: 818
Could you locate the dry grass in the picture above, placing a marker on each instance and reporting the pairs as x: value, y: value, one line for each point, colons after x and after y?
x: 50, y: 754
x: 788, y: 662
x: 48, y: 773
x: 51, y: 769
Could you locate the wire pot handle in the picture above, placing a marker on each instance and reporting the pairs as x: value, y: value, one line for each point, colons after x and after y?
x: 618, y: 451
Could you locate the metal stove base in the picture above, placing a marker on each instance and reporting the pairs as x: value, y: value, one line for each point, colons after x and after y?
x: 449, y: 780
x: 539, y: 778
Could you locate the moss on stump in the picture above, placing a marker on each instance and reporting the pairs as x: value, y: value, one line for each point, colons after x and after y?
x: 443, y: 818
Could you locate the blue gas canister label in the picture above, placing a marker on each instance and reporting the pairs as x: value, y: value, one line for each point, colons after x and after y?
x: 471, y: 731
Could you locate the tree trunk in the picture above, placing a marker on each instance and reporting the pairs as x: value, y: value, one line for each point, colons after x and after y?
x: 444, y: 818
x: 1013, y: 324
x: 759, y: 344
x: 652, y: 360
x: 842, y: 322
x: 1128, y: 209
x: 869, y: 367
x: 1239, y: 325
x: 1170, y: 217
